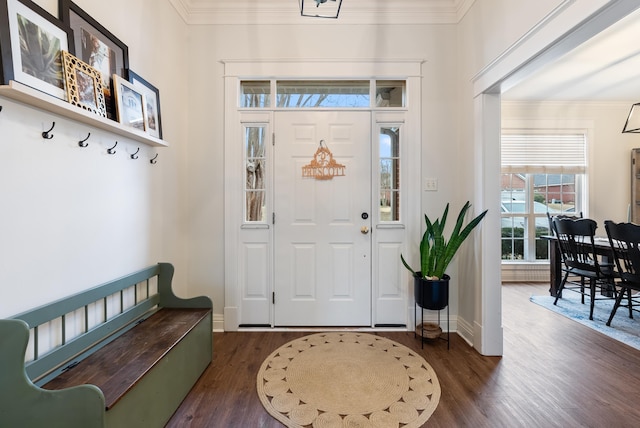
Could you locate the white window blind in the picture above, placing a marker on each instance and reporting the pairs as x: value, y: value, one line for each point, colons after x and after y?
x: 544, y: 153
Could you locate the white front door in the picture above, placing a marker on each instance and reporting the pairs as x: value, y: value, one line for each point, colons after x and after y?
x: 322, y: 248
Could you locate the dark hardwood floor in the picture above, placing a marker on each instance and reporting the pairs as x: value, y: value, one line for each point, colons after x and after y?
x: 554, y: 373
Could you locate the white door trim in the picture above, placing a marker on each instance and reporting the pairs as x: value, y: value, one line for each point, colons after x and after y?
x: 235, y: 270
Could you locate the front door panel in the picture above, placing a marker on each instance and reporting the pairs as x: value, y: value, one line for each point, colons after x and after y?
x: 322, y: 251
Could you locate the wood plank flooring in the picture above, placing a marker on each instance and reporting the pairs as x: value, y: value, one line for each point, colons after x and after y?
x: 554, y: 373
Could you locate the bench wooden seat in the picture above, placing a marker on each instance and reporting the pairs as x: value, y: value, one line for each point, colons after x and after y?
x: 122, y: 354
x: 117, y: 367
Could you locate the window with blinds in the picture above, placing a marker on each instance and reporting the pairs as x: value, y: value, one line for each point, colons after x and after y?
x: 540, y: 153
x: 541, y: 173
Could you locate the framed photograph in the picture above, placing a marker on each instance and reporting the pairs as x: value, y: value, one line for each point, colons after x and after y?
x: 84, y: 85
x: 96, y: 46
x: 130, y: 103
x: 31, y: 42
x: 152, y: 95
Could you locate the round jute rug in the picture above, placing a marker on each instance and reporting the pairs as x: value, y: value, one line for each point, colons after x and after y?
x: 353, y: 380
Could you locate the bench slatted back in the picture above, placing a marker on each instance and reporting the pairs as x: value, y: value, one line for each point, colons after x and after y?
x: 45, y: 367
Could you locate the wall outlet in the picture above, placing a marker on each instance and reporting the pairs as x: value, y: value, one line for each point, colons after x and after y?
x: 430, y: 184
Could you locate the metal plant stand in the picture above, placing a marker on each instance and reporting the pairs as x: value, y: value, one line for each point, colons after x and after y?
x: 422, y: 301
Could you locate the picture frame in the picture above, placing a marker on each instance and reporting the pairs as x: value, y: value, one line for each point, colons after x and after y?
x: 83, y: 84
x: 31, y: 42
x: 152, y: 95
x: 130, y: 103
x: 96, y: 46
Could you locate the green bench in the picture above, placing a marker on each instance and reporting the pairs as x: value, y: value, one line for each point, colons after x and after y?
x: 123, y: 354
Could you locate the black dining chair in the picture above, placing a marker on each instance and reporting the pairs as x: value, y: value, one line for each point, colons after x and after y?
x: 624, y: 239
x: 576, y: 241
x: 552, y: 216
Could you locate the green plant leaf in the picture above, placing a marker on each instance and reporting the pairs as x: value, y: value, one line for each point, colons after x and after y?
x: 436, y: 252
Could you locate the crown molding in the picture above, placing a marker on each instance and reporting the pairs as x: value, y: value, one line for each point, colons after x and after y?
x: 361, y: 12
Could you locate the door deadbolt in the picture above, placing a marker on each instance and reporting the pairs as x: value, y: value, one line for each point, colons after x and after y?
x: 364, y: 216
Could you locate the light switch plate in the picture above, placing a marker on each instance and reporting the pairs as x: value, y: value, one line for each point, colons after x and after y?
x: 430, y: 184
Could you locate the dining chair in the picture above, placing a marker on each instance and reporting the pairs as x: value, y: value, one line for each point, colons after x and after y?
x: 552, y: 216
x: 576, y: 241
x: 624, y: 239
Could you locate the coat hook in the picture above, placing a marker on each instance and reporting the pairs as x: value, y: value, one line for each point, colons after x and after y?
x: 0, y: 108
x: 153, y: 160
x: 111, y: 151
x: 46, y: 134
x: 82, y: 143
x: 135, y: 155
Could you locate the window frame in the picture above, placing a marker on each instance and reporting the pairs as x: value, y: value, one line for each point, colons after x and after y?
x: 581, y: 178
x: 394, y: 190
x: 376, y: 87
x: 264, y: 122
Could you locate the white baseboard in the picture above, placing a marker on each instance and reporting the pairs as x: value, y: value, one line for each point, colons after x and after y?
x: 465, y: 331
x: 218, y: 323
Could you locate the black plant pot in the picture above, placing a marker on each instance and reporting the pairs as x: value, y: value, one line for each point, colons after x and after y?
x: 431, y: 294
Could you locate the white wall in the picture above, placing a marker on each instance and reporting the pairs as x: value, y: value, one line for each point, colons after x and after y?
x: 211, y: 44
x: 72, y: 217
x: 488, y: 30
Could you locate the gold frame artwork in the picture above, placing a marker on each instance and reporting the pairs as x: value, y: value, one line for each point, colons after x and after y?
x: 83, y: 84
x: 323, y: 166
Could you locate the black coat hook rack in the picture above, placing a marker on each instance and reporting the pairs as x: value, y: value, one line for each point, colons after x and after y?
x: 111, y: 151
x: 153, y: 159
x: 46, y: 134
x: 83, y: 143
x: 135, y: 155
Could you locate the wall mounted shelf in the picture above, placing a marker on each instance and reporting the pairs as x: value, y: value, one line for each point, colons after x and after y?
x: 27, y: 95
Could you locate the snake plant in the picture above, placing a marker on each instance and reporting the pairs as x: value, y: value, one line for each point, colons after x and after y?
x: 435, y: 251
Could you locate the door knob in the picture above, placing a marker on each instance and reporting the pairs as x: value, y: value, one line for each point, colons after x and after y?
x: 364, y: 230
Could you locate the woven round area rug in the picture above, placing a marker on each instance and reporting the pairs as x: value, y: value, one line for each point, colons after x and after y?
x: 351, y: 380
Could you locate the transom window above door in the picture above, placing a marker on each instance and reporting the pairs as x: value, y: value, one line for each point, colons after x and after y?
x: 323, y: 93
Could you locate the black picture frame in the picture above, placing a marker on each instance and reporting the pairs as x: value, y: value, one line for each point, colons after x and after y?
x: 96, y: 46
x: 21, y: 57
x: 152, y: 95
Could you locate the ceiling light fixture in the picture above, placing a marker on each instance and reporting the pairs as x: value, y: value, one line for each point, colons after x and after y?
x: 633, y: 121
x: 320, y: 8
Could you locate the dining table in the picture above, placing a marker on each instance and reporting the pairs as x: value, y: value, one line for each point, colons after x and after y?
x: 602, y: 248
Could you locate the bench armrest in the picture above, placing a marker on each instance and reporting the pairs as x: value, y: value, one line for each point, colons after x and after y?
x: 169, y: 300
x: 24, y: 404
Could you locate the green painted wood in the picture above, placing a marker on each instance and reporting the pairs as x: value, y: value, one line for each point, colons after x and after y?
x: 154, y: 399
x: 68, y: 304
x: 46, y: 367
x: 22, y: 404
x: 150, y: 403
x: 169, y: 300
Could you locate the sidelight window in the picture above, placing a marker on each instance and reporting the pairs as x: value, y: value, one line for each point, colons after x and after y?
x: 255, y: 163
x: 389, y: 173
